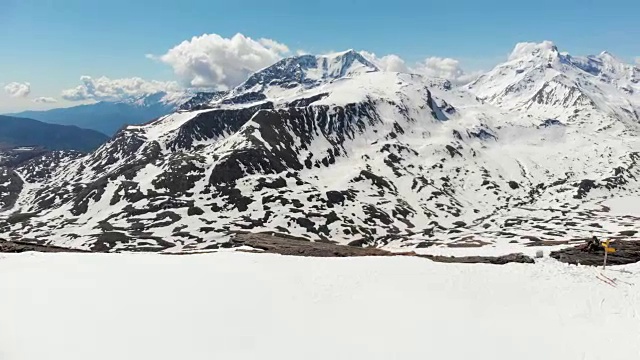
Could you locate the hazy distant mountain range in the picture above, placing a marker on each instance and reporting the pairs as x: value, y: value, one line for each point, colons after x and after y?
x: 108, y: 117
x: 22, y: 132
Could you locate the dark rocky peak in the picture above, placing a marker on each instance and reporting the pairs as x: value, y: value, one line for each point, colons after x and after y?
x: 201, y: 100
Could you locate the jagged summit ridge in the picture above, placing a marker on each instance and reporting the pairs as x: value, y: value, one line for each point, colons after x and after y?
x: 308, y: 71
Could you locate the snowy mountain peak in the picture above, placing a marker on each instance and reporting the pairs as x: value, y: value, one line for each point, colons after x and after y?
x: 308, y: 71
x: 347, y: 63
x: 544, y: 83
x: 607, y: 55
x: 545, y: 49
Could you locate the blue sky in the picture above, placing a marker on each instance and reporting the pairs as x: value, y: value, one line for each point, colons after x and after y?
x: 51, y: 43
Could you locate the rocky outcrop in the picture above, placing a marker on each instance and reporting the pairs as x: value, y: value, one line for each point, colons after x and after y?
x: 627, y: 252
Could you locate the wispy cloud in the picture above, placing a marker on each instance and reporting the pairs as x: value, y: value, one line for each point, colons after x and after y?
x: 438, y: 67
x: 446, y: 68
x: 45, y: 100
x: 16, y: 89
x: 106, y: 89
x: 212, y: 61
x: 388, y: 62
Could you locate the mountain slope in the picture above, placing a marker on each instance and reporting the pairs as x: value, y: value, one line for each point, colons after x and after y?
x: 330, y: 148
x: 18, y: 132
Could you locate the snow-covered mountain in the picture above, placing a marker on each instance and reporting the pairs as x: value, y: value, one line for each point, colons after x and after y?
x: 110, y: 116
x: 330, y: 148
x: 538, y: 80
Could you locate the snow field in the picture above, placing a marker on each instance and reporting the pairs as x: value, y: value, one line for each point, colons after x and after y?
x: 250, y: 306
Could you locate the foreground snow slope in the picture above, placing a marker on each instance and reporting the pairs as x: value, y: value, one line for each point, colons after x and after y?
x: 250, y: 306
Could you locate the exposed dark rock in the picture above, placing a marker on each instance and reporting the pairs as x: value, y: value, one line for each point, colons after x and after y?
x: 627, y: 252
x: 22, y: 246
x: 288, y: 246
x: 278, y: 244
x: 180, y: 175
x: 425, y: 244
x: 195, y: 211
x: 10, y: 187
x: 495, y: 260
x: 200, y: 100
x: 584, y: 187
x: 378, y: 181
x: 482, y: 134
x: 453, y: 151
x: 275, y: 184
x: 335, y: 197
x: 106, y: 241
x: 307, y: 101
x: 307, y: 224
x: 19, y: 217
x: 531, y: 238
x: 551, y: 122
x: 628, y: 232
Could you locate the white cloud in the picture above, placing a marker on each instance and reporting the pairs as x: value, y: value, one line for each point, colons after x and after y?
x: 16, y: 89
x: 45, y: 100
x: 638, y: 61
x: 530, y: 48
x: 388, y: 62
x: 212, y: 61
x: 271, y: 44
x: 105, y: 89
x: 445, y: 68
x: 216, y: 62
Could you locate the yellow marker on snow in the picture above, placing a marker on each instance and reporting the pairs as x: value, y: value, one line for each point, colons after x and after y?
x: 607, y: 250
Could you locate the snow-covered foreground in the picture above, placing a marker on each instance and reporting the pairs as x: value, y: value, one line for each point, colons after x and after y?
x: 250, y: 306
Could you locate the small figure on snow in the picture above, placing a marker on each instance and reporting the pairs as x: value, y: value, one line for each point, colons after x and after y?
x: 593, y: 245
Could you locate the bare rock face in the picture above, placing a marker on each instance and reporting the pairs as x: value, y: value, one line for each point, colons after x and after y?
x: 494, y: 260
x: 20, y: 247
x: 279, y: 244
x: 627, y: 252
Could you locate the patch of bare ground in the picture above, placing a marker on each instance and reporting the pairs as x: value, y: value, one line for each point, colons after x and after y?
x: 627, y: 252
x: 7, y: 246
x: 275, y: 244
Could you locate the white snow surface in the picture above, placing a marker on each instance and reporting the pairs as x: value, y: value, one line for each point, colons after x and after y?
x: 257, y: 306
x: 624, y: 205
